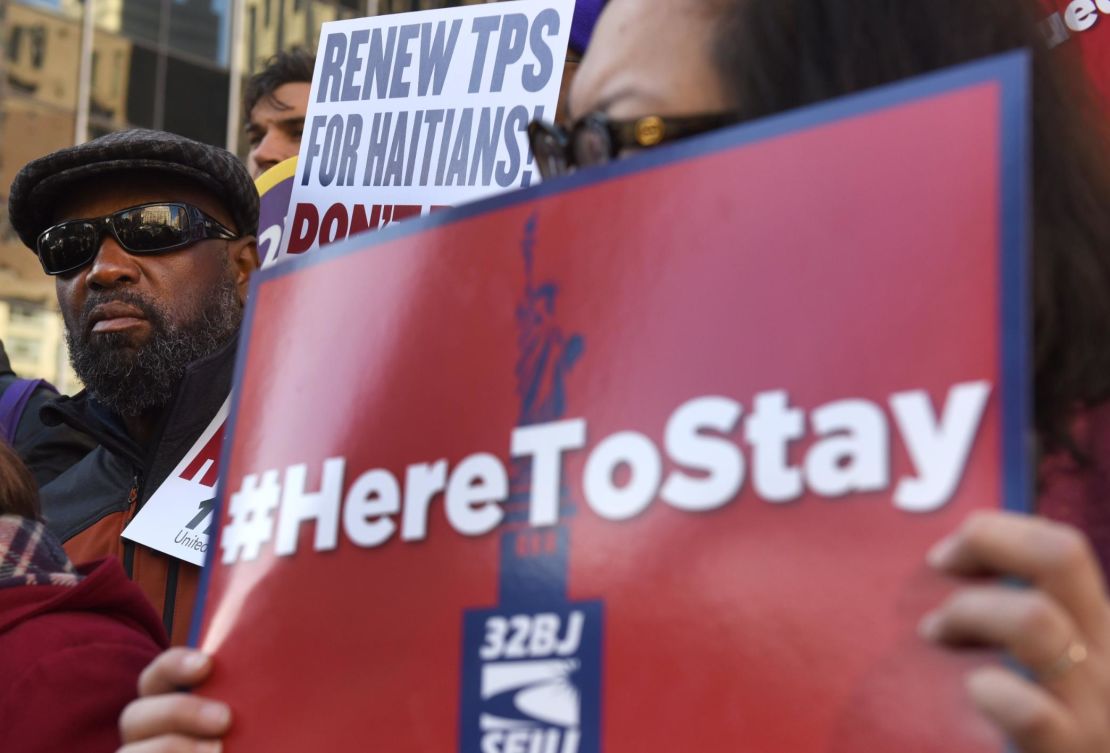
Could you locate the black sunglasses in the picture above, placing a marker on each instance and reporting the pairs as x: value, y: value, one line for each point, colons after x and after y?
x: 595, y: 139
x: 145, y: 229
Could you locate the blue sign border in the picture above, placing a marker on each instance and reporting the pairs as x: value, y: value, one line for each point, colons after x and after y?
x: 1010, y: 72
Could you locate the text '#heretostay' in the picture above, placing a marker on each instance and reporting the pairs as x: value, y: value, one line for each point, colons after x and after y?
x: 850, y: 454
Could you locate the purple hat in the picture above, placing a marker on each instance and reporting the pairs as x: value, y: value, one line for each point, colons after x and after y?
x: 585, y: 18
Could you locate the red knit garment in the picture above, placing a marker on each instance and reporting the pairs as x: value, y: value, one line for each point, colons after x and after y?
x: 70, y: 656
x: 1078, y: 491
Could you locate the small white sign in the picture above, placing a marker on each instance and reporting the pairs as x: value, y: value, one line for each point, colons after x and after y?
x: 176, y: 520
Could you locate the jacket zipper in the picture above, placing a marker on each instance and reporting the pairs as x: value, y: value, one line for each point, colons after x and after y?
x: 170, y: 601
x: 132, y: 508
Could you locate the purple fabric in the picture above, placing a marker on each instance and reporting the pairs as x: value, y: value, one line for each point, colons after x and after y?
x: 12, y: 403
x: 582, y: 27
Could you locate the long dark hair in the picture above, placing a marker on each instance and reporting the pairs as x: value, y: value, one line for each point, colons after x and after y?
x: 781, y: 54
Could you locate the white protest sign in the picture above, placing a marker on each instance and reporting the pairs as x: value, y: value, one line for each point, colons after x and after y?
x: 177, y: 517
x: 417, y: 111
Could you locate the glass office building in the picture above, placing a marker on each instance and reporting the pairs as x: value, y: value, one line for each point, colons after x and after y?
x: 71, y: 70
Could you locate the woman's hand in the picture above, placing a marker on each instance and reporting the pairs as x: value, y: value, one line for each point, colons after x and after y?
x: 1058, y: 627
x: 165, y: 719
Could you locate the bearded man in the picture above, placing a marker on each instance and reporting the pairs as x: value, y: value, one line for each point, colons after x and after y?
x: 150, y: 239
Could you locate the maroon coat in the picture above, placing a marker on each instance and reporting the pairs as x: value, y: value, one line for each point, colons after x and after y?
x: 70, y: 658
x: 1078, y: 491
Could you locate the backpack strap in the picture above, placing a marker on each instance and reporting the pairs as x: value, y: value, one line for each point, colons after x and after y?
x: 14, y: 401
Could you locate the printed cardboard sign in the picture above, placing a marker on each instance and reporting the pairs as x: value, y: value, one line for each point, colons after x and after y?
x: 177, y: 519
x: 1079, y: 28
x: 647, y: 459
x: 275, y: 186
x: 417, y: 111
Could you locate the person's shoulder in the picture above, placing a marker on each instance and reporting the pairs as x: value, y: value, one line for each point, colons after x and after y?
x: 55, y: 636
x: 67, y: 678
x: 63, y: 635
x: 48, y: 449
x: 85, y: 493
x: 102, y: 608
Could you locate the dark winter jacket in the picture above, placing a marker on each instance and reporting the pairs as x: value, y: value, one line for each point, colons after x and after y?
x: 47, y: 450
x: 88, y: 506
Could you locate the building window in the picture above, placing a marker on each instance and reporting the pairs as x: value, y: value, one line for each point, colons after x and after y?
x: 26, y: 314
x: 23, y: 349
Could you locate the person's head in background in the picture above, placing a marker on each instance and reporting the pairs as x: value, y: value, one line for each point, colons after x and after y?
x: 744, y: 59
x: 19, y: 495
x: 275, y: 101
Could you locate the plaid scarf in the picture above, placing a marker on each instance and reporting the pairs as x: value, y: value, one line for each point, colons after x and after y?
x: 31, y: 556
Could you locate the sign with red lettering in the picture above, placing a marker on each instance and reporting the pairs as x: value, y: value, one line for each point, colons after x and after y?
x: 414, y: 112
x: 646, y: 459
x: 177, y: 518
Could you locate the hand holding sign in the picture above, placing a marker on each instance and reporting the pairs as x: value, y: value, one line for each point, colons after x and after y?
x: 535, y: 407
x: 1060, y: 627
x: 1066, y: 714
x: 166, y: 718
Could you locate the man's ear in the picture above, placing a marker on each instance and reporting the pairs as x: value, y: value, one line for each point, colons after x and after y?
x: 243, y: 255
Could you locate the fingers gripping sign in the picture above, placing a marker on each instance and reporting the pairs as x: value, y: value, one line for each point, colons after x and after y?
x: 166, y: 717
x: 1058, y: 626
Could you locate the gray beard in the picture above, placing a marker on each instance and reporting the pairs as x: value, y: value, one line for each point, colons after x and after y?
x: 128, y: 380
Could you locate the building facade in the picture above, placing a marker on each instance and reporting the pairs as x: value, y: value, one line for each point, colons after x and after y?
x: 66, y: 77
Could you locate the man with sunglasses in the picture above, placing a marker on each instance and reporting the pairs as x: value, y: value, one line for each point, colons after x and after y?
x: 150, y: 239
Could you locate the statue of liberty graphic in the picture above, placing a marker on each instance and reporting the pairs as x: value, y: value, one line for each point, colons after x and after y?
x: 531, y: 674
x: 546, y: 354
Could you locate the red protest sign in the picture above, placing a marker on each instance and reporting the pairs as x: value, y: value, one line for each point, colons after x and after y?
x: 1072, y: 27
x: 645, y: 460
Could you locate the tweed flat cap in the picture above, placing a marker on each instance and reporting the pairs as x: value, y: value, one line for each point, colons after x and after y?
x: 38, y: 186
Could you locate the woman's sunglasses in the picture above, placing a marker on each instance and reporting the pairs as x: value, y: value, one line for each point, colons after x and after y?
x: 145, y: 229
x: 595, y: 139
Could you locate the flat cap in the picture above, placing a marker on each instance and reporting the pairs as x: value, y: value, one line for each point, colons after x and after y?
x: 38, y: 186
